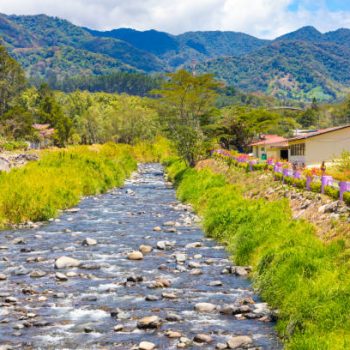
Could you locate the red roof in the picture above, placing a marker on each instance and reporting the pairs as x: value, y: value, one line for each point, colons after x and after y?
x: 318, y: 132
x: 270, y: 140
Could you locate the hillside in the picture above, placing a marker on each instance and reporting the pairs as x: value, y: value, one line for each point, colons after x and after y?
x: 294, y: 70
x: 299, y: 65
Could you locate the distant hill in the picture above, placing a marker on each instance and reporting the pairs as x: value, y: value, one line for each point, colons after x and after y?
x: 297, y: 70
x: 300, y: 65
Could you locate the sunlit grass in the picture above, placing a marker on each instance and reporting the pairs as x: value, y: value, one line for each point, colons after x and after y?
x: 306, y: 279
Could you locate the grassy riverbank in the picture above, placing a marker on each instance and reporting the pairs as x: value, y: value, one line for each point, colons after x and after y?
x: 306, y: 279
x: 58, y: 181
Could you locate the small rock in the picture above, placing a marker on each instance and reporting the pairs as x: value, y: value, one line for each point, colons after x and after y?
x: 135, y: 255
x: 3, y: 277
x: 37, y: 274
x: 173, y: 317
x: 196, y: 272
x: 149, y: 322
x: 215, y: 284
x: 221, y: 346
x: 11, y: 300
x: 169, y: 223
x: 157, y: 229
x: 152, y: 298
x: 205, y: 307
x: 180, y: 257
x: 203, y: 338
x: 65, y: 261
x: 146, y: 345
x: 61, y: 276
x: 145, y: 249
x: 134, y: 279
x: 71, y: 274
x: 173, y: 334
x: 19, y: 240
x: 169, y: 295
x: 239, y: 341
x: 89, y: 242
x: 194, y: 245
x: 118, y: 328
x: 194, y: 265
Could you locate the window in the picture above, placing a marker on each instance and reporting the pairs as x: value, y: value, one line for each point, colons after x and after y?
x: 297, y: 150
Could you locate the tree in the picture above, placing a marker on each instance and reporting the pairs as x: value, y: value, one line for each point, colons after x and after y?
x: 187, y: 104
x: 51, y: 112
x: 12, y: 80
x: 240, y: 124
x: 17, y: 124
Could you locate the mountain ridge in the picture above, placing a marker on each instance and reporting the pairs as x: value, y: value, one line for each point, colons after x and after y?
x: 302, y: 64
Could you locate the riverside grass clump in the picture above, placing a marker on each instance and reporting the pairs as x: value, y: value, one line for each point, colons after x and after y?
x: 58, y: 181
x: 307, y: 280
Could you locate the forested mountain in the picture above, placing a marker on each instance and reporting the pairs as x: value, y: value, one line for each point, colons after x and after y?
x: 300, y: 65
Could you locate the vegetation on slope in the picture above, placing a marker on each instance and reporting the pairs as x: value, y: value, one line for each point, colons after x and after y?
x: 307, y: 280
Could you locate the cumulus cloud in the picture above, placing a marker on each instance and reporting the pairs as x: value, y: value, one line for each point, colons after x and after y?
x: 263, y: 18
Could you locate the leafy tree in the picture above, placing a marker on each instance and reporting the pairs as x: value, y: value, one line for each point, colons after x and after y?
x: 17, y: 124
x: 187, y: 104
x: 12, y: 80
x: 51, y: 112
x: 240, y: 124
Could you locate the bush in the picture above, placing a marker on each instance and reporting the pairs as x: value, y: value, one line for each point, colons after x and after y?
x: 293, y: 270
x: 58, y: 181
x: 331, y: 192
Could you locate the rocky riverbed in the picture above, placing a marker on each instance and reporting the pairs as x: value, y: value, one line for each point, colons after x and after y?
x: 130, y: 269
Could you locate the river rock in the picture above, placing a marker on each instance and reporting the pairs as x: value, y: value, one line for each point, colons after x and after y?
x: 149, y: 322
x: 118, y: 328
x: 3, y: 277
x: 157, y: 229
x: 152, y: 298
x: 173, y: 334
x: 89, y: 242
x: 71, y: 274
x: 169, y: 295
x: 37, y: 274
x: 196, y: 272
x: 205, y: 307
x: 203, y: 338
x: 239, y: 341
x: 180, y: 258
x: 241, y: 271
x: 169, y: 223
x: 135, y: 255
x: 215, y: 284
x: 20, y: 271
x: 146, y: 345
x: 65, y: 261
x: 194, y: 245
x: 221, y: 346
x: 61, y: 276
x: 145, y: 249
x: 171, y: 317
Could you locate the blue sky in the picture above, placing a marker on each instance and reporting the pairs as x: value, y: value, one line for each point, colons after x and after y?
x: 331, y: 5
x: 262, y: 18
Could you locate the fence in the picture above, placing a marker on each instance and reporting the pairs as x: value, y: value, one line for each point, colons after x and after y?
x: 324, y: 184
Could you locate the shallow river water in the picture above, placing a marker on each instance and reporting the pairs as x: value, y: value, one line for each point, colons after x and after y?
x: 109, y: 290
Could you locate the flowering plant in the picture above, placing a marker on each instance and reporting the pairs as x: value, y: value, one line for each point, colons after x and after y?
x: 310, y: 172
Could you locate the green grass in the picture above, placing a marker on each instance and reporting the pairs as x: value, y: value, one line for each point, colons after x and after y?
x: 304, y: 278
x: 58, y: 181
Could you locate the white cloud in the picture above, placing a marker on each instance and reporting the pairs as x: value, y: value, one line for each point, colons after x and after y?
x: 263, y: 18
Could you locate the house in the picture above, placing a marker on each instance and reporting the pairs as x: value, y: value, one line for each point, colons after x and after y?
x: 270, y: 146
x: 45, y: 136
x: 317, y: 146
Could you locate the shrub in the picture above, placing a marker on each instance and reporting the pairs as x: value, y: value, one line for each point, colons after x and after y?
x: 58, y: 181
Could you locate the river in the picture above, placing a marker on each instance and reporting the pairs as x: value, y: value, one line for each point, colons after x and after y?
x: 99, y: 304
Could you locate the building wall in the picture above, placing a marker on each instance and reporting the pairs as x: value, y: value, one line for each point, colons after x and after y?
x: 324, y: 147
x: 328, y: 146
